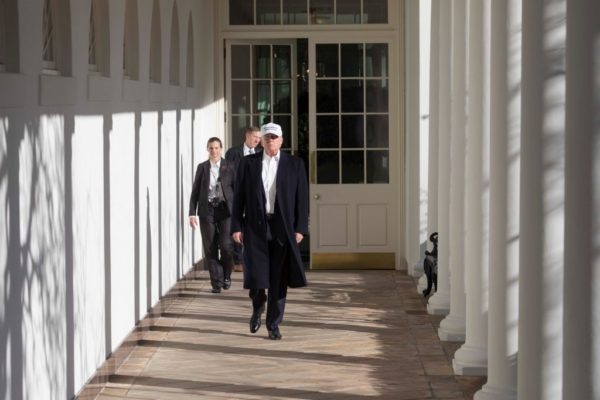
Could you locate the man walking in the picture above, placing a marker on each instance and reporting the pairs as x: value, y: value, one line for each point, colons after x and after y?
x: 270, y: 217
x: 211, y: 198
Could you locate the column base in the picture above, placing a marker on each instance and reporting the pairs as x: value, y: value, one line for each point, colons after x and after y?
x: 452, y: 329
x: 489, y: 392
x: 439, y: 304
x: 416, y: 270
x: 470, y: 360
x: 422, y: 285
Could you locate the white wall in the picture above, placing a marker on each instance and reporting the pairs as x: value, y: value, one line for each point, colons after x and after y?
x: 95, y: 177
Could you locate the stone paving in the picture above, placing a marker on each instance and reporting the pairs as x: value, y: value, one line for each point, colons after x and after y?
x: 349, y: 335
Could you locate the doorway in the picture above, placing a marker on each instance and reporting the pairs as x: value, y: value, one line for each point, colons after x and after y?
x: 332, y: 98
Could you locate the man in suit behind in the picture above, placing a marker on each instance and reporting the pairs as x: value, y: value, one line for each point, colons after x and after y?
x: 211, y: 199
x: 251, y: 145
x: 270, y: 217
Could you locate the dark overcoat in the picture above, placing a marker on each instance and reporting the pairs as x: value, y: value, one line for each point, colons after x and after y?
x: 249, y: 216
x: 199, y: 197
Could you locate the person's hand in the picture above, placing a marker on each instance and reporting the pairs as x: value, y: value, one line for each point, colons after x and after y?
x: 193, y: 221
x: 299, y: 237
x: 238, y: 237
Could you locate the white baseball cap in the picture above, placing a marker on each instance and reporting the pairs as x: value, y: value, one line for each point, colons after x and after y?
x: 271, y: 129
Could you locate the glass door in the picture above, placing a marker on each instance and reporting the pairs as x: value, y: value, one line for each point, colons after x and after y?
x: 351, y: 152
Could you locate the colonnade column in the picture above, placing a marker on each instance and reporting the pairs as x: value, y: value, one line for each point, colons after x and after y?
x: 439, y: 303
x: 433, y: 150
x: 412, y: 136
x: 471, y: 358
x: 542, y: 201
x: 453, y: 326
x: 505, y: 142
x: 581, y: 350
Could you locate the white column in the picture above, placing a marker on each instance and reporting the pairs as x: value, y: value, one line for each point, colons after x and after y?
x: 432, y: 180
x: 471, y: 358
x: 505, y: 141
x: 542, y: 201
x: 453, y: 326
x: 412, y: 135
x: 439, y: 303
x: 581, y: 348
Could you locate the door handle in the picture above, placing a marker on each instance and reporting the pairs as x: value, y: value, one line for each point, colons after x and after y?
x: 316, y: 197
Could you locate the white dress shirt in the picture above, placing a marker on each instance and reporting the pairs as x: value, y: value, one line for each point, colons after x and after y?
x: 248, y: 150
x: 214, y: 178
x: 269, y: 178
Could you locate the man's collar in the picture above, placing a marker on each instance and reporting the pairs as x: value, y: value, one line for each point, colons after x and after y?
x: 276, y: 156
x: 218, y: 163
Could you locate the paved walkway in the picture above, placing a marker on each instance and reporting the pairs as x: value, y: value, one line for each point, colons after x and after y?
x: 350, y: 335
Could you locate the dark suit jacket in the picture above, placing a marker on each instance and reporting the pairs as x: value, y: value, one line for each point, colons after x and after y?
x: 249, y: 216
x: 199, y: 197
x: 236, y: 153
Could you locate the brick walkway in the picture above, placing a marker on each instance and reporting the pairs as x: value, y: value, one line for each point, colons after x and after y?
x: 350, y: 335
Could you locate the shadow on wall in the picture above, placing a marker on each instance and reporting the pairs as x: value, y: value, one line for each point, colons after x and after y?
x: 43, y: 331
x: 36, y: 322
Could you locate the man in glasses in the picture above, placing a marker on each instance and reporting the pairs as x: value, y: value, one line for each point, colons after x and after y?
x: 270, y: 217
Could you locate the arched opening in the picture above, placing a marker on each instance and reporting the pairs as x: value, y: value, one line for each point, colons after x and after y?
x: 56, y: 40
x: 190, y: 54
x: 174, y: 56
x: 98, y: 42
x: 155, y: 45
x: 131, y: 42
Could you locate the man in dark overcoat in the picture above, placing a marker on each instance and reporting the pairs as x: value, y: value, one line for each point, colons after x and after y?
x: 270, y: 217
x: 211, y: 200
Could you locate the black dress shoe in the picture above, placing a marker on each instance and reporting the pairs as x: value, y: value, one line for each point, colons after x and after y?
x: 255, y: 319
x: 216, y: 290
x: 275, y: 334
x: 227, y: 283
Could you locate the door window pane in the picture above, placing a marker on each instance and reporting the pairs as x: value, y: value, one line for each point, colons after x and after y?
x: 347, y: 12
x: 353, y: 166
x: 327, y: 131
x: 283, y: 61
x: 377, y: 93
x: 262, y: 96
x: 353, y: 132
x: 352, y: 60
x: 328, y: 163
x: 282, y: 103
x: 321, y: 12
x: 240, y: 97
x: 327, y: 96
x: 261, y: 119
x: 377, y: 131
x: 285, y: 121
x: 267, y: 12
x: 378, y: 166
x: 352, y: 95
x: 262, y: 62
x: 377, y: 59
x: 375, y: 12
x: 240, y: 62
x: 295, y: 12
x: 241, y: 12
x: 238, y: 127
x: 327, y: 60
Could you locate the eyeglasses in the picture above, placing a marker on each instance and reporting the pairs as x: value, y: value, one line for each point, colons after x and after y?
x: 270, y: 136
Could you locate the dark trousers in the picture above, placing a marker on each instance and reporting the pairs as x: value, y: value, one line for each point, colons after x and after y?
x: 216, y: 237
x: 279, y: 268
